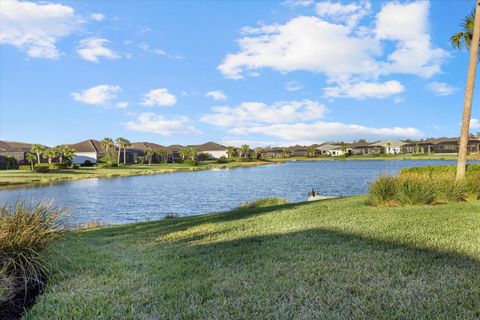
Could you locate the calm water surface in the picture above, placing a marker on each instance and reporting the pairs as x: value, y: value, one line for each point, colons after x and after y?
x: 140, y: 198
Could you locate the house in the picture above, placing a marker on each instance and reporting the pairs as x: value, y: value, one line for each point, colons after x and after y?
x: 298, y: 151
x: 417, y: 147
x: 361, y: 147
x: 88, y: 150
x: 388, y: 146
x: 440, y: 146
x: 324, y: 149
x: 214, y: 150
x: 15, y: 150
x: 137, y: 149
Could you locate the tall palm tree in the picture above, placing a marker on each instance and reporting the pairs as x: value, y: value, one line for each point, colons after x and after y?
x: 50, y: 154
x: 244, y: 150
x: 472, y: 43
x: 163, y: 153
x: 108, y: 145
x: 38, y: 150
x: 65, y: 152
x: 30, y: 157
x: 231, y: 152
x: 149, y: 152
x: 192, y: 153
x: 122, y: 143
x: 184, y: 152
x: 311, y: 151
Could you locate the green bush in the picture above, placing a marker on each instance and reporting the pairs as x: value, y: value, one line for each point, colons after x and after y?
x: 106, y: 165
x: 25, y: 168
x: 383, y: 191
x: 190, y: 162
x: 434, y: 170
x: 447, y: 189
x: 223, y: 160
x: 57, y: 166
x: 262, y: 203
x: 25, y: 233
x: 472, y: 185
x: 413, y: 189
x: 41, y: 168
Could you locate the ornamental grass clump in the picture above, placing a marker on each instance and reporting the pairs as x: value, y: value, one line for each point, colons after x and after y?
x: 448, y: 189
x: 472, y: 186
x: 262, y: 203
x: 415, y: 189
x: 382, y: 192
x: 25, y: 235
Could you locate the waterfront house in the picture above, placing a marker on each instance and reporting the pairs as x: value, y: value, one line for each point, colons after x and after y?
x: 298, y: 151
x: 137, y: 149
x: 214, y: 150
x: 417, y: 147
x: 361, y: 147
x: 324, y: 149
x: 388, y: 146
x: 15, y: 150
x: 87, y: 150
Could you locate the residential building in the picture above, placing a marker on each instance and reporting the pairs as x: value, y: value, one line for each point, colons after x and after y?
x: 88, y: 150
x: 15, y: 150
x: 388, y: 146
x: 214, y: 150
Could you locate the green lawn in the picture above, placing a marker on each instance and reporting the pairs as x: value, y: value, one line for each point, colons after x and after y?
x: 334, y: 259
x: 18, y: 178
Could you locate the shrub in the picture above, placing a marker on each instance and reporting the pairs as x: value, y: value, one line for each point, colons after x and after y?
x: 41, y: 168
x: 190, y: 162
x: 57, y: 166
x: 25, y: 233
x: 414, y: 189
x: 25, y: 168
x: 472, y: 185
x: 447, y: 189
x: 262, y: 203
x: 223, y: 160
x: 383, y: 191
x: 434, y: 170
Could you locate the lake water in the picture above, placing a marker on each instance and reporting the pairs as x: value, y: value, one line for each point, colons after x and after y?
x: 140, y: 198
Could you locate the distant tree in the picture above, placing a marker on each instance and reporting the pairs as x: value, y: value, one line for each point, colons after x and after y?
x: 30, y: 157
x: 50, y: 153
x: 231, y: 152
x: 262, y: 153
x: 192, y: 153
x: 184, y: 152
x: 311, y: 151
x: 163, y: 154
x: 109, y: 146
x: 285, y: 152
x: 149, y: 153
x: 38, y: 150
x: 122, y: 143
x: 244, y: 150
x: 65, y: 152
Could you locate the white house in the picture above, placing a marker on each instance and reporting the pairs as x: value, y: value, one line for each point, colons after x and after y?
x: 215, y: 150
x: 86, y: 150
x: 389, y: 146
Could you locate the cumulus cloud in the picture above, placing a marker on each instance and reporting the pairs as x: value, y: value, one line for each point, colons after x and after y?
x: 323, y: 131
x: 121, y: 105
x: 363, y: 90
x: 97, y: 95
x: 36, y: 27
x: 217, y: 95
x: 474, y: 123
x: 442, y: 88
x: 258, y: 112
x: 159, y: 97
x: 153, y: 123
x: 92, y: 49
x: 297, y: 3
x: 328, y: 44
x: 97, y: 16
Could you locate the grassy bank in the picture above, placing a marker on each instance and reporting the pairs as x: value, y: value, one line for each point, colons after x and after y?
x: 18, y: 178
x: 330, y: 259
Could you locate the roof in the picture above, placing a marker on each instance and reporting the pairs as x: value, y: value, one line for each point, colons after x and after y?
x: 174, y: 147
x: 13, y: 146
x: 210, y: 146
x: 359, y: 144
x: 391, y: 143
x: 145, y: 145
x: 328, y: 146
x: 89, y: 145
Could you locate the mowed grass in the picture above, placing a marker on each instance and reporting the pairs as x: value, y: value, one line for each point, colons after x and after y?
x: 332, y: 259
x: 18, y: 178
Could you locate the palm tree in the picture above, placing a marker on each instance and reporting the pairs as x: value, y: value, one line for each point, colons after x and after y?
x: 65, y: 152
x: 163, y: 153
x: 311, y: 151
x: 149, y: 152
x: 184, y: 152
x: 285, y: 152
x: 108, y: 145
x: 262, y: 152
x: 192, y: 152
x: 231, y: 152
x: 38, y: 150
x: 472, y: 43
x: 50, y: 154
x: 122, y: 143
x: 30, y: 157
x: 244, y: 150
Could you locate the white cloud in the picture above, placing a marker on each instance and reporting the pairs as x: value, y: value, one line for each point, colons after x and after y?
x: 36, y: 27
x: 153, y: 123
x: 258, y: 112
x: 407, y: 25
x: 97, y: 16
x: 97, y: 95
x: 363, y: 90
x: 93, y: 48
x: 474, y: 123
x: 159, y: 97
x: 350, y: 14
x: 297, y: 3
x: 442, y: 88
x: 334, y: 48
x: 293, y: 86
x: 217, y: 95
x: 323, y: 131
x: 121, y: 104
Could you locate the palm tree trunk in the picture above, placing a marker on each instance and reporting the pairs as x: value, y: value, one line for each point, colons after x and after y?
x: 467, y: 105
x: 119, y: 152
x: 124, y: 155
x: 38, y: 157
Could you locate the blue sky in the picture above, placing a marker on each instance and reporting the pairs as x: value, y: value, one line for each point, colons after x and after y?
x: 262, y: 73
